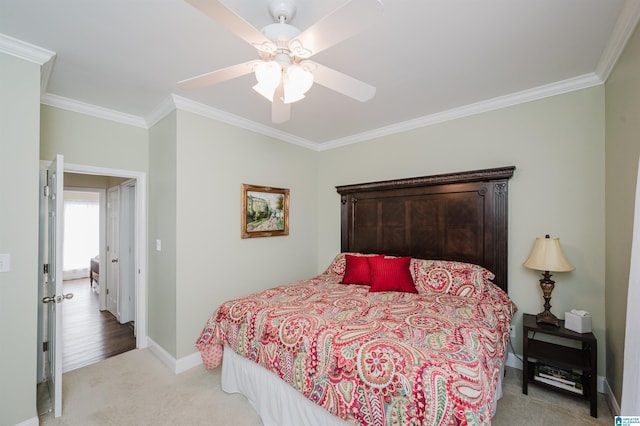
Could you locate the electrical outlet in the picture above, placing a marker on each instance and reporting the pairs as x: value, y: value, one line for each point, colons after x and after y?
x: 513, y: 332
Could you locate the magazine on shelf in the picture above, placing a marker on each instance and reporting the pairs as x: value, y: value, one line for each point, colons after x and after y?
x: 558, y: 377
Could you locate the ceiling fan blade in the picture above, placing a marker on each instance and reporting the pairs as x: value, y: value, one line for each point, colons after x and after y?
x: 226, y: 17
x: 345, y: 22
x: 218, y: 76
x: 280, y: 112
x: 342, y: 83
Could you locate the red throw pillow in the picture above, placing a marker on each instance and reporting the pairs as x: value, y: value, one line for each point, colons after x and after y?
x: 356, y: 270
x: 391, y: 274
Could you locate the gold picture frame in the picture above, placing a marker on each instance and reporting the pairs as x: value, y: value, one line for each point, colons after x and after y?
x: 265, y: 211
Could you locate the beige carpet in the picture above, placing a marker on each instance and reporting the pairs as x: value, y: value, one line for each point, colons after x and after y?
x: 544, y: 407
x: 135, y: 388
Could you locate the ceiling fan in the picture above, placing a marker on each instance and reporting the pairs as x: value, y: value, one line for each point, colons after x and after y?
x: 283, y: 70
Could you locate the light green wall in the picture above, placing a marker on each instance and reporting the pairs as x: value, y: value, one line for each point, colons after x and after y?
x: 91, y: 141
x: 19, y: 173
x: 622, y: 152
x: 557, y: 146
x: 225, y: 160
x: 162, y: 226
x: 213, y: 263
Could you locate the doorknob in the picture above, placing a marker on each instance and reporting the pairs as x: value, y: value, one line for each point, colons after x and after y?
x: 54, y: 299
x: 114, y: 260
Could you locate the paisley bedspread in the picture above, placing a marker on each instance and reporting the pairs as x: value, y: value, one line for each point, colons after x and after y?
x: 372, y: 358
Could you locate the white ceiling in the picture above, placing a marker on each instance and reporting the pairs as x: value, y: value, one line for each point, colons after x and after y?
x: 429, y: 59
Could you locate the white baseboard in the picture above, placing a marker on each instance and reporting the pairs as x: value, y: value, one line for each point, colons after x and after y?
x: 75, y: 274
x: 33, y: 421
x: 188, y: 362
x: 615, y: 407
x: 514, y: 360
x: 177, y: 366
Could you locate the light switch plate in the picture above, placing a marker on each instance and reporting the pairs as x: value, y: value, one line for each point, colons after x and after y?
x: 5, y: 262
x: 158, y: 245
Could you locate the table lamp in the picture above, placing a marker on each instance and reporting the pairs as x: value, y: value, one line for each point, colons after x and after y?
x: 547, y: 256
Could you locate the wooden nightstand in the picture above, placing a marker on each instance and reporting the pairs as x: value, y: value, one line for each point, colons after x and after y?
x: 556, y: 355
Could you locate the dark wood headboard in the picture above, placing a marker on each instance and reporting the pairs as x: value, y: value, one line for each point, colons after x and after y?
x: 454, y: 216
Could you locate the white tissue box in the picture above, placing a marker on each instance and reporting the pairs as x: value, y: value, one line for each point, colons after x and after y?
x: 577, y: 323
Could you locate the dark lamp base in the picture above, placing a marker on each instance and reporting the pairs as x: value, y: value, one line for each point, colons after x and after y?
x: 547, y: 317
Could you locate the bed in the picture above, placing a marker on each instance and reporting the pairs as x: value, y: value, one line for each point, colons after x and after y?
x: 408, y: 324
x: 94, y: 271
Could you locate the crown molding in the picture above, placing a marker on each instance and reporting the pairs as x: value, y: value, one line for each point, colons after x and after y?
x: 163, y: 109
x: 558, y: 88
x: 188, y: 105
x: 29, y: 52
x: 173, y: 102
x: 23, y: 50
x: 45, y: 74
x: 92, y: 110
x: 625, y: 25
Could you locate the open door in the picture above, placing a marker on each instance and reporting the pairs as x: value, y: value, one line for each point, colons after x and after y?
x: 53, y: 290
x: 112, y: 284
x: 127, y: 290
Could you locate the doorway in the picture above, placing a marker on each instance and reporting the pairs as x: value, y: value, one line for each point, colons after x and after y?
x: 135, y: 182
x: 137, y: 197
x: 89, y: 332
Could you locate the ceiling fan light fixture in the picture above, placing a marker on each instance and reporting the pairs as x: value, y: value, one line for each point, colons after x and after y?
x: 297, y: 81
x: 268, y: 75
x: 283, y: 50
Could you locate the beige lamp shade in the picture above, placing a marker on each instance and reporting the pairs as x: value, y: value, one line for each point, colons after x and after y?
x: 547, y: 255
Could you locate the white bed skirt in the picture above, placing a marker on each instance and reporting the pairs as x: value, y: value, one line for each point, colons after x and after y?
x: 277, y: 402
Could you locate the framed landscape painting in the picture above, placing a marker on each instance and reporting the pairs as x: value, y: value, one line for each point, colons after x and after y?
x: 265, y: 211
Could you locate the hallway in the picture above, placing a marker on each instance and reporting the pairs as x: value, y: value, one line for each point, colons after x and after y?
x: 89, y: 335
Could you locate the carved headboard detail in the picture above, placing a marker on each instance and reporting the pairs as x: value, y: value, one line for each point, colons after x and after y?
x: 455, y: 216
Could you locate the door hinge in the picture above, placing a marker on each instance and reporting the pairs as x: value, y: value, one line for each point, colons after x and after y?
x: 45, y: 346
x: 107, y: 291
x: 46, y: 190
x: 45, y: 269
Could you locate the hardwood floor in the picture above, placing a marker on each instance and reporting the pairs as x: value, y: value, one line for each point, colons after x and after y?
x: 88, y: 334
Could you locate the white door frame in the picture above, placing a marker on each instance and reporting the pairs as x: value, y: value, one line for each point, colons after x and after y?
x: 140, y: 255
